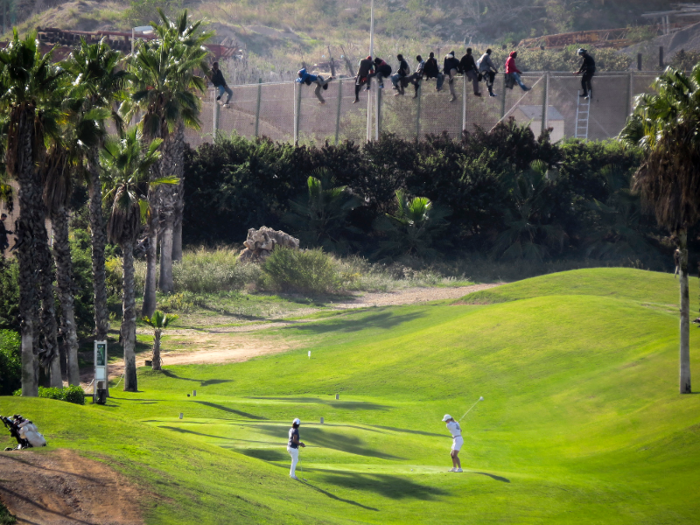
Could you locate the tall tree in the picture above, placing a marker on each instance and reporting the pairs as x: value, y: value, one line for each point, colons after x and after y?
x: 166, y: 92
x: 666, y: 125
x: 126, y: 165
x: 28, y: 78
x: 98, y: 85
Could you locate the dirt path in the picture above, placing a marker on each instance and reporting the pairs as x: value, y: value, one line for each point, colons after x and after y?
x: 63, y: 488
x: 230, y: 344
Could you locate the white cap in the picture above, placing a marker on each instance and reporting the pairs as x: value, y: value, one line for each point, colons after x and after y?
x: 446, y: 417
x: 296, y: 421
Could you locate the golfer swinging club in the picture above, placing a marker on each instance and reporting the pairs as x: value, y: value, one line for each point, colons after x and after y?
x: 293, y: 447
x: 457, y: 442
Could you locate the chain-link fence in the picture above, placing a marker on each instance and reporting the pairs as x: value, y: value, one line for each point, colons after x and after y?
x: 291, y: 112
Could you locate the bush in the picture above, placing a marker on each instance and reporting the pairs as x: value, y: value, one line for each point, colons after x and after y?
x: 5, y: 517
x: 72, y: 394
x: 309, y: 271
x: 10, y: 362
x: 9, y: 294
x: 207, y: 271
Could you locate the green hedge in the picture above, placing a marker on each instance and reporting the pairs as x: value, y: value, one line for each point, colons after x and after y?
x: 72, y: 394
x: 10, y: 362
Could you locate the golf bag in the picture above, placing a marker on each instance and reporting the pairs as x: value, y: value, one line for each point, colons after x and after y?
x: 24, y: 431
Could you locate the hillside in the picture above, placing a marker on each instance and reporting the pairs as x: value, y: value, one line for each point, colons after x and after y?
x: 275, y: 28
x: 581, y: 421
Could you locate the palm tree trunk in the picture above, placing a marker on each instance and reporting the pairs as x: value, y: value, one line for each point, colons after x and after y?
x: 149, y: 292
x: 128, y: 328
x: 180, y: 203
x: 177, y: 236
x: 64, y: 277
x: 156, y: 350
x: 165, y: 283
x: 99, y: 240
x: 685, y: 316
x: 20, y: 165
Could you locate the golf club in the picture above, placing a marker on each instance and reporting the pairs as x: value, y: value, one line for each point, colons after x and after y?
x: 470, y: 408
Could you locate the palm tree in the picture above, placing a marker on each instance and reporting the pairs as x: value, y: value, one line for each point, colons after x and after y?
x: 159, y: 322
x: 666, y: 125
x: 165, y: 92
x: 98, y: 84
x: 320, y: 219
x: 414, y: 229
x: 27, y: 79
x: 126, y: 164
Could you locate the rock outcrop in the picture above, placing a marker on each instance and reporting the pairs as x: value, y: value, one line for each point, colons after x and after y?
x: 260, y: 243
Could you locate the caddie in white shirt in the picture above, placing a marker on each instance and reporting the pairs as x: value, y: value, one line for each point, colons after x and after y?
x: 457, y: 442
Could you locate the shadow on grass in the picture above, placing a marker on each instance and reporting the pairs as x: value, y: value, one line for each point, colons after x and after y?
x: 393, y: 487
x: 231, y: 410
x: 333, y: 496
x: 407, y: 431
x: 202, y: 382
x: 349, y: 405
x: 493, y: 476
x: 186, y: 431
x: 323, y: 438
x: 264, y: 454
x: 384, y: 320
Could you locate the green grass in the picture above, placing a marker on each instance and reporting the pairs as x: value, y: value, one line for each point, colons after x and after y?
x: 581, y: 422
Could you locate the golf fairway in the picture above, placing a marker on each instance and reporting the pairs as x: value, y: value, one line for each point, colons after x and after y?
x: 581, y: 420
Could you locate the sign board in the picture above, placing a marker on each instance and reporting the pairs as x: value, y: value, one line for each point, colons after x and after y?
x: 100, y: 361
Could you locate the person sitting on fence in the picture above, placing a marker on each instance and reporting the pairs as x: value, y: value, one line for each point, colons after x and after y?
x: 382, y: 70
x: 432, y: 70
x: 308, y: 79
x: 417, y: 77
x: 366, y: 67
x: 399, y: 79
x: 217, y: 78
x: 487, y: 70
x: 450, y: 69
x: 588, y: 70
x: 468, y: 67
x: 513, y: 73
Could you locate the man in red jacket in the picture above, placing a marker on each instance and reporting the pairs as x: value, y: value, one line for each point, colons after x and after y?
x: 513, y: 71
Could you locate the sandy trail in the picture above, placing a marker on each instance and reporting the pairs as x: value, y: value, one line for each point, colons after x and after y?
x: 63, y: 488
x: 230, y: 344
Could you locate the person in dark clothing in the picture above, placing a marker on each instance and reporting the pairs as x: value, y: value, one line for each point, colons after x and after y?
x: 450, y: 69
x: 468, y: 67
x: 382, y: 70
x: 432, y: 70
x: 399, y: 78
x: 588, y: 70
x: 4, y: 243
x: 417, y: 77
x: 363, y: 72
x: 217, y: 78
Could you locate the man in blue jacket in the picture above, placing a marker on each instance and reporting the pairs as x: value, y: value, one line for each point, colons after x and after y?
x: 308, y: 79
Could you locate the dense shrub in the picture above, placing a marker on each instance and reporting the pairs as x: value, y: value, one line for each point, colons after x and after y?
x: 305, y: 271
x: 9, y: 294
x: 10, y: 362
x: 580, y: 208
x: 72, y: 394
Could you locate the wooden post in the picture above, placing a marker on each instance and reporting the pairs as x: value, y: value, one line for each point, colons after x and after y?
x: 661, y: 57
x: 215, y: 129
x: 378, y: 114
x: 257, y: 109
x: 418, y: 108
x: 503, y: 99
x: 464, y: 103
x: 545, y: 103
x: 630, y: 94
x: 337, y: 115
x: 297, y: 110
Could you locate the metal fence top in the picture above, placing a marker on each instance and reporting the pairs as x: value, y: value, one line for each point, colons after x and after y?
x: 555, y: 74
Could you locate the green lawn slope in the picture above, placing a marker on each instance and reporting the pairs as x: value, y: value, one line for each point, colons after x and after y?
x: 581, y: 421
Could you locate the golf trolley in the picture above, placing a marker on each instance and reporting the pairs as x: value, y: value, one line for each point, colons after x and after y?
x: 24, y: 431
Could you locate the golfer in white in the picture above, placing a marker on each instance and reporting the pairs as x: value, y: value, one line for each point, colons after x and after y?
x: 457, y: 442
x: 293, y: 447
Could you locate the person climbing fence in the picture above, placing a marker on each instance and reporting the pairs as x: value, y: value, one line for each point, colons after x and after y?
x: 587, y: 69
x: 308, y: 79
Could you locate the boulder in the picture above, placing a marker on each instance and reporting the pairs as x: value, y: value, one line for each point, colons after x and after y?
x: 260, y: 243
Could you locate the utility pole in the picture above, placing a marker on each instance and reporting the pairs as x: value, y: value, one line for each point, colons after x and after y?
x: 371, y: 53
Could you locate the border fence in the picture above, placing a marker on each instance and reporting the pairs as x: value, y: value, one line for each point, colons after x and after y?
x: 289, y: 111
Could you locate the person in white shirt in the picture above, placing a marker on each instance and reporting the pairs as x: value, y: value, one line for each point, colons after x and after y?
x: 457, y: 442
